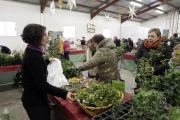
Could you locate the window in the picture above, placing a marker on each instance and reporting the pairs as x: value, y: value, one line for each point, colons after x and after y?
x: 107, y: 33
x: 7, y: 28
x: 69, y: 31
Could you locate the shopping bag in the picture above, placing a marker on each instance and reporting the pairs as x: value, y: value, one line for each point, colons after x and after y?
x: 119, y: 85
x: 55, y: 74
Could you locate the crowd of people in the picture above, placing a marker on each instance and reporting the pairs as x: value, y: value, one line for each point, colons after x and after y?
x: 100, y: 60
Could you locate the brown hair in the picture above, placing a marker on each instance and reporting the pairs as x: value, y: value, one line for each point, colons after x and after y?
x: 175, y: 34
x: 98, y: 38
x: 176, y: 48
x: 156, y: 30
x: 33, y: 34
x: 89, y: 41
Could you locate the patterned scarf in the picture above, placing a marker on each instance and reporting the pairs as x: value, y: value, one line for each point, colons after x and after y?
x: 152, y: 46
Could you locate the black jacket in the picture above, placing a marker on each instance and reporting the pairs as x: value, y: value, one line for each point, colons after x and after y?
x: 82, y: 42
x: 34, y: 81
x: 5, y: 49
x: 131, y: 43
x: 159, y: 68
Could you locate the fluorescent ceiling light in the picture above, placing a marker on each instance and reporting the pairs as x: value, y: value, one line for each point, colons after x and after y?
x: 160, y: 7
x: 138, y: 0
x: 135, y: 3
x: 159, y: 11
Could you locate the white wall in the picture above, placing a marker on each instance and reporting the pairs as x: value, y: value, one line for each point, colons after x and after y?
x: 130, y: 23
x: 163, y: 22
x: 113, y: 25
x: 24, y: 14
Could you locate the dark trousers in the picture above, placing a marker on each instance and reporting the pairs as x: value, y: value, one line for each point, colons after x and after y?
x: 41, y: 112
x: 66, y: 55
x: 61, y: 56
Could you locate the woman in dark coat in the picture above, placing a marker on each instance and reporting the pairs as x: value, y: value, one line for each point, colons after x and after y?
x: 34, y: 70
x: 154, y: 39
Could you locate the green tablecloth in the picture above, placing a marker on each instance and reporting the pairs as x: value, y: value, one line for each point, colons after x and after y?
x: 76, y: 57
x: 129, y: 65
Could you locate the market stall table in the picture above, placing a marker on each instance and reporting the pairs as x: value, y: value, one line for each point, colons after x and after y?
x: 73, y: 111
x: 8, y: 73
x: 128, y: 62
x: 76, y: 55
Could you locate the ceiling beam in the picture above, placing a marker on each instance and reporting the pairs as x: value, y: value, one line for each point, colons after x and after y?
x: 148, y: 5
x: 97, y: 9
x: 106, y: 6
x: 43, y: 5
x: 121, y: 7
x: 166, y: 2
x: 138, y: 13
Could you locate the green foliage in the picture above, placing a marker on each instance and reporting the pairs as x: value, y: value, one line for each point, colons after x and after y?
x: 98, y: 94
x: 17, y: 80
x: 168, y: 83
x: 68, y: 67
x: 6, y: 115
x: 148, y: 105
x: 6, y: 59
x: 175, y: 111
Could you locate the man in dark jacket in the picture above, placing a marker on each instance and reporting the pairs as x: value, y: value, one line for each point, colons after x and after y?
x: 130, y: 43
x: 175, y: 41
x: 117, y: 42
x: 5, y: 49
x: 83, y: 41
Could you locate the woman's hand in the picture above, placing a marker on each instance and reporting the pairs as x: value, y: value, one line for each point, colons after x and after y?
x: 70, y: 97
x: 51, y: 59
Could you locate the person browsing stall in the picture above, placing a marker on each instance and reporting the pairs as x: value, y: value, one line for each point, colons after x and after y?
x: 34, y: 71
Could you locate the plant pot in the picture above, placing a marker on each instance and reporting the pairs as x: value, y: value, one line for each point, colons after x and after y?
x: 109, y: 112
x: 121, y: 113
x: 108, y: 118
x: 128, y: 107
x: 97, y: 118
x: 103, y: 115
x: 115, y: 117
x: 125, y: 111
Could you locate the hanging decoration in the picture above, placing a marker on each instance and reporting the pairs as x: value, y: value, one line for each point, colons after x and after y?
x: 71, y: 3
x: 60, y: 2
x: 52, y: 8
x: 132, y: 11
x: 119, y: 16
x: 107, y: 17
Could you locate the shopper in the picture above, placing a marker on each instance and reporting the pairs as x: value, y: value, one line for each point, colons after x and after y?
x: 105, y: 59
x: 66, y: 50
x: 90, y: 51
x: 176, y: 57
x: 154, y: 39
x: 83, y: 41
x: 34, y: 71
x: 175, y: 40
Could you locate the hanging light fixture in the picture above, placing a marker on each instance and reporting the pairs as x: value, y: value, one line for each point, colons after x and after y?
x: 135, y: 3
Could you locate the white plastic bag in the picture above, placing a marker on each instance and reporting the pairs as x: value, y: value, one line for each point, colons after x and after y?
x: 55, y: 74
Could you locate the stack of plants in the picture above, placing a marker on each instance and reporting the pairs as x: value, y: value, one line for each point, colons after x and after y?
x: 143, y: 106
x: 6, y: 59
x: 97, y: 97
x: 157, y: 97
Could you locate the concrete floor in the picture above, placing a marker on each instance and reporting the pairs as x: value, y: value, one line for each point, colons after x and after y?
x: 12, y: 99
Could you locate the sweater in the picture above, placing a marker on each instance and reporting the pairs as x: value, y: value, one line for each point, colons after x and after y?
x: 159, y: 67
x: 177, y: 68
x: 66, y: 46
x: 34, y: 81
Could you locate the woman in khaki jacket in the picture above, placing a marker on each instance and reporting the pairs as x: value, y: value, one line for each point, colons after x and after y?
x: 90, y: 51
x: 105, y: 59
